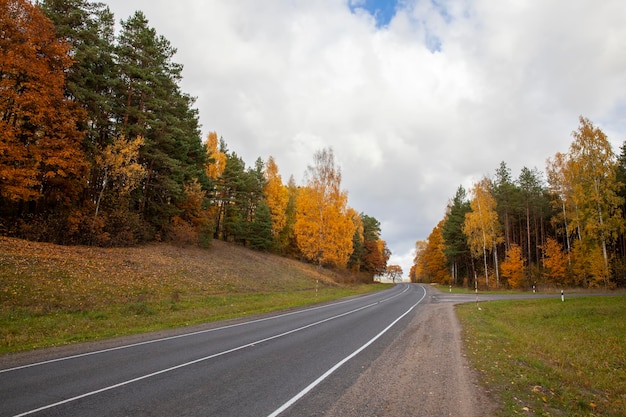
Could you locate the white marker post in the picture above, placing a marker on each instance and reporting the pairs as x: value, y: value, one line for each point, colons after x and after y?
x: 562, y: 296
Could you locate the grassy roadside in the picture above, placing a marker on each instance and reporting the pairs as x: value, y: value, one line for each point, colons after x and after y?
x: 55, y: 295
x: 549, y: 358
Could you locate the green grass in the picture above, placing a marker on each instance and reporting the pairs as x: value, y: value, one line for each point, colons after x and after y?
x: 551, y: 358
x: 21, y: 329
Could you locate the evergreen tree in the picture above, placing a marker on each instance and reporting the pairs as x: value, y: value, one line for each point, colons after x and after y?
x: 506, y: 193
x: 149, y: 104
x: 456, y: 249
x: 260, y: 236
x: 90, y: 81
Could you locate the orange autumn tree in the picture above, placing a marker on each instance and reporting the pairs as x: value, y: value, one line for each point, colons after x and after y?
x: 433, y: 260
x: 40, y: 154
x: 323, y: 227
x: 513, y: 266
x: 555, y: 262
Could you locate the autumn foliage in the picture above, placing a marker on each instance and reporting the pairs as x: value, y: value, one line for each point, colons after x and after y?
x: 100, y: 146
x: 566, y: 231
x: 40, y: 145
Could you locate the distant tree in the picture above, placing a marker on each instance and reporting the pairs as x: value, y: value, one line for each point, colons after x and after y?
x: 394, y: 272
x: 375, y: 252
x: 417, y: 270
x: 433, y: 260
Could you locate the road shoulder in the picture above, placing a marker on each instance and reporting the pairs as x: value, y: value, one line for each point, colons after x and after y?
x: 422, y: 373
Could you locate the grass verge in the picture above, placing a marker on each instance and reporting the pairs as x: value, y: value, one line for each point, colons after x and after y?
x: 550, y: 358
x: 54, y: 295
x: 21, y: 329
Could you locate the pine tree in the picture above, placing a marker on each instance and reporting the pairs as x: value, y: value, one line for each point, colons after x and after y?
x: 150, y: 104
x: 456, y: 249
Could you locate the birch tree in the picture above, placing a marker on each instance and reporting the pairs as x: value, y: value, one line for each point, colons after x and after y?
x: 323, y: 228
x: 595, y: 193
x: 482, y: 226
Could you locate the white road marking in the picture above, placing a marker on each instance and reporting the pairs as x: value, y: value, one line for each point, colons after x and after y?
x: 315, y: 383
x: 173, y: 368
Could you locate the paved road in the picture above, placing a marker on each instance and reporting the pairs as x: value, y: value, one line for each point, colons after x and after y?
x: 294, y: 363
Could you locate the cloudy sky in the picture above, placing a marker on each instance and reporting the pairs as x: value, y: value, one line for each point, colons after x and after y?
x: 416, y: 97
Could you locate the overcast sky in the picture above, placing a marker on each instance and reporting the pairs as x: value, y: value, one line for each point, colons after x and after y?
x: 415, y: 97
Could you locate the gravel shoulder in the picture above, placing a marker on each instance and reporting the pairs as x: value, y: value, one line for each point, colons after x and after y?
x: 424, y: 372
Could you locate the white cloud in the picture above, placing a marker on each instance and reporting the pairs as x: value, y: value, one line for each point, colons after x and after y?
x: 439, y: 96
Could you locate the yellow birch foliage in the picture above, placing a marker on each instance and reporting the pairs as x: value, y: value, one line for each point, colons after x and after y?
x: 323, y: 232
x: 277, y: 197
x: 217, y: 159
x: 121, y: 171
x: 324, y: 228
x: 482, y: 226
x: 119, y: 161
x: 513, y: 266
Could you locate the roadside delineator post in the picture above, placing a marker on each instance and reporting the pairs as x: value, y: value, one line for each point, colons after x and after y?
x: 476, y: 290
x: 562, y: 296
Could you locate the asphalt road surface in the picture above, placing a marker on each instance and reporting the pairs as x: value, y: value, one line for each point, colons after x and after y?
x: 292, y: 363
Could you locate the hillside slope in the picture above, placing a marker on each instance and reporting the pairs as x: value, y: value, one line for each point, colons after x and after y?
x: 52, y: 294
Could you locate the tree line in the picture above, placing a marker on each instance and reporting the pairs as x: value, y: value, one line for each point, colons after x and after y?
x: 100, y: 146
x: 564, y: 228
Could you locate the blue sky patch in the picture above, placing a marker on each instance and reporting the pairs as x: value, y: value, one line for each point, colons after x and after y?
x: 382, y: 10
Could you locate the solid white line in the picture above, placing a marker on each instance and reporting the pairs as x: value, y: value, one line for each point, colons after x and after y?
x: 315, y: 383
x: 164, y: 339
x: 173, y: 368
